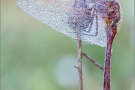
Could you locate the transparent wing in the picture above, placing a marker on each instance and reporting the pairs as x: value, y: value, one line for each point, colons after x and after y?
x: 98, y: 27
x: 54, y: 14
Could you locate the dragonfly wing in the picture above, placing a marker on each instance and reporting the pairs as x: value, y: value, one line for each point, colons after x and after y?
x: 49, y: 14
x: 54, y: 14
x: 97, y: 33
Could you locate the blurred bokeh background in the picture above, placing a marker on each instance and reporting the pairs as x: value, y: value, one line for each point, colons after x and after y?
x: 36, y: 57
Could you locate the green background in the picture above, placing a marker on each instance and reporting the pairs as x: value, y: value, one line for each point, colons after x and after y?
x: 36, y: 57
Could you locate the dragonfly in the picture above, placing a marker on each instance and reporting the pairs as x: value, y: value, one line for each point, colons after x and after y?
x: 93, y: 21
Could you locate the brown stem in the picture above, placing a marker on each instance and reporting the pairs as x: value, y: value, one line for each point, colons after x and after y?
x: 93, y: 61
x: 79, y: 47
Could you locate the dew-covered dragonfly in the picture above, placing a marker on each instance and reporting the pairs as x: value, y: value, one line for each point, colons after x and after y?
x: 94, y: 21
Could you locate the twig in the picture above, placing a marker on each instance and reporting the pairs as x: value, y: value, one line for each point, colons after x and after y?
x: 93, y: 61
x: 79, y: 47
